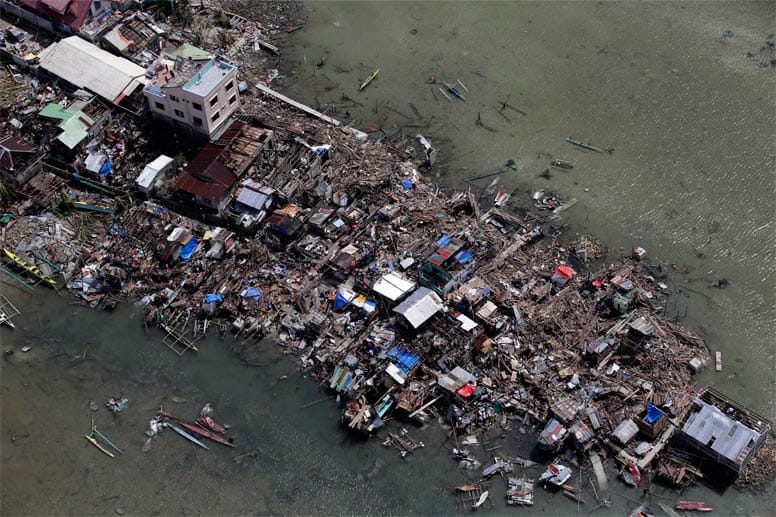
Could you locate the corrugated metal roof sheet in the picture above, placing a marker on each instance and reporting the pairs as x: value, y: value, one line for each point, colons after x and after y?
x: 87, y: 66
x: 72, y: 13
x: 146, y: 178
x: 393, y: 286
x: 729, y: 437
x: 420, y: 306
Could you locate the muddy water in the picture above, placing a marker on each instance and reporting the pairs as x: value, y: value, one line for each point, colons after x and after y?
x: 690, y: 119
x: 667, y: 86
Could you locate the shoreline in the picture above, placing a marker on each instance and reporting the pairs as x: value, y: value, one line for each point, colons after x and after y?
x: 390, y: 208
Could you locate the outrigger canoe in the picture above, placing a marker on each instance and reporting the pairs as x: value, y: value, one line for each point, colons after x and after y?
x: 96, y: 444
x: 369, y: 79
x: 209, y: 423
x: 30, y: 267
x: 205, y: 433
x: 184, y: 434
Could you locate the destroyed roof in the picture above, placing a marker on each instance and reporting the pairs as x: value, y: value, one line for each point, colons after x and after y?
x: 72, y: 13
x: 74, y: 123
x: 10, y: 145
x: 420, y: 306
x: 87, y: 66
x: 393, y: 286
x: 712, y: 428
x: 207, y: 176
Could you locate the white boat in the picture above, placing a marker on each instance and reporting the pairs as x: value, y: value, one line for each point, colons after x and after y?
x: 481, y: 500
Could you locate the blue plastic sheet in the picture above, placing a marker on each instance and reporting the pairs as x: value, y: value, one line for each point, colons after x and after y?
x: 252, y: 292
x: 216, y: 297
x: 340, y: 302
x: 406, y: 183
x: 653, y: 414
x: 403, y: 359
x: 106, y: 167
x: 188, y: 249
x: 443, y: 241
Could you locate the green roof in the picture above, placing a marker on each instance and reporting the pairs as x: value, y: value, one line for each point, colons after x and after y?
x: 75, y: 123
x: 187, y: 51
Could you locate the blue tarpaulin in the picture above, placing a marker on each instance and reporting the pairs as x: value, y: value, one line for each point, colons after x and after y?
x: 406, y: 183
x: 402, y: 359
x: 214, y: 298
x: 653, y: 414
x: 443, y: 241
x: 340, y: 302
x: 463, y: 256
x: 106, y: 167
x: 188, y: 249
x: 251, y: 292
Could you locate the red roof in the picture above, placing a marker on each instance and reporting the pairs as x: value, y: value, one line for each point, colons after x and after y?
x: 206, y: 176
x: 72, y: 13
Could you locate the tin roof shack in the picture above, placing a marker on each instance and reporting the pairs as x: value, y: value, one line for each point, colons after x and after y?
x: 209, y: 179
x: 151, y: 172
x: 58, y: 16
x: 283, y: 226
x: 251, y: 203
x: 420, y: 307
x: 81, y: 122
x: 637, y: 338
x: 87, y: 66
x: 447, y: 266
x: 196, y: 96
x: 393, y: 286
x: 19, y: 159
x: 137, y: 38
x: 725, y: 433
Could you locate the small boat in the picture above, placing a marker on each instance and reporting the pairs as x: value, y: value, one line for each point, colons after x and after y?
x: 184, y: 434
x: 697, y: 506
x: 30, y: 267
x: 584, y: 145
x: 643, y: 510
x: 502, y: 197
x: 481, y: 500
x: 205, y: 433
x: 718, y: 361
x: 631, y: 475
x: 556, y: 474
x: 369, y: 79
x: 97, y: 444
x: 209, y: 423
x: 455, y: 91
x: 465, y: 488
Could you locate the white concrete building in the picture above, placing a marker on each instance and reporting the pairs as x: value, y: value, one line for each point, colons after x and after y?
x: 198, y: 95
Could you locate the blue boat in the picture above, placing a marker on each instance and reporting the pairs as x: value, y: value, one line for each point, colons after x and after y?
x: 455, y: 91
x: 184, y: 434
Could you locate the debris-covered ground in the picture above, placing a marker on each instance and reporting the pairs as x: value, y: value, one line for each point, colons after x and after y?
x: 409, y: 301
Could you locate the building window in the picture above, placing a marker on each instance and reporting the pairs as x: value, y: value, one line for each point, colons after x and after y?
x: 179, y: 113
x: 196, y: 106
x: 230, y: 85
x: 233, y: 99
x: 174, y: 98
x: 197, y: 121
x: 215, y: 116
x: 160, y: 106
x: 213, y: 101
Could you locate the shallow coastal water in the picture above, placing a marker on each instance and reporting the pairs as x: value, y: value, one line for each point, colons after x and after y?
x: 691, y: 121
x: 667, y: 85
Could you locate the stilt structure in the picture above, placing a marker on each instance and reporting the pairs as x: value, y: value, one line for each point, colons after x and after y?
x: 7, y: 311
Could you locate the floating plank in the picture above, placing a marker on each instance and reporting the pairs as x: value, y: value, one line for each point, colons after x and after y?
x: 307, y: 109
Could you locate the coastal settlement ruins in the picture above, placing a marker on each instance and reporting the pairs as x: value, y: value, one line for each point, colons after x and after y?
x: 265, y: 218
